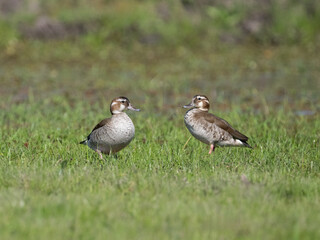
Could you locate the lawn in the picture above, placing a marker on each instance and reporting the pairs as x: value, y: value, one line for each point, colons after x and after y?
x: 53, y: 92
x: 51, y: 187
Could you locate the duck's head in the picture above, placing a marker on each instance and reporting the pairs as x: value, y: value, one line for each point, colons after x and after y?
x: 199, y: 101
x: 120, y: 104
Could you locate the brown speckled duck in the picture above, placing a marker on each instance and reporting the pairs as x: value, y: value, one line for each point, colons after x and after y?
x: 113, y: 134
x: 209, y: 128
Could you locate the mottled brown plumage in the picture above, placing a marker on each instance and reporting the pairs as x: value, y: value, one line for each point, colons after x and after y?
x: 221, y: 123
x: 209, y: 128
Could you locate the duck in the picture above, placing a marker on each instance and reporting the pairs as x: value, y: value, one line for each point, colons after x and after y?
x: 210, y: 129
x: 113, y: 134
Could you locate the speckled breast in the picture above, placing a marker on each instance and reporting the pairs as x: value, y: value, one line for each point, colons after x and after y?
x: 204, y: 131
x: 114, y: 136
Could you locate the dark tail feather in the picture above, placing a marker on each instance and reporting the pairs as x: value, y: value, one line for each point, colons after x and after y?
x: 246, y: 144
x: 84, y: 142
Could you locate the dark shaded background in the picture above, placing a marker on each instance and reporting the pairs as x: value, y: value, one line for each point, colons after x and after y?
x: 259, y: 53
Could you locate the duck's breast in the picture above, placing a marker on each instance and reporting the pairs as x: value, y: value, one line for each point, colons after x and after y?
x: 196, y: 128
x: 203, y: 130
x: 121, y: 130
x: 115, y: 135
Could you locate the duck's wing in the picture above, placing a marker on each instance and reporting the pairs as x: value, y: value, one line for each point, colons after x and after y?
x: 100, y: 125
x: 223, y: 124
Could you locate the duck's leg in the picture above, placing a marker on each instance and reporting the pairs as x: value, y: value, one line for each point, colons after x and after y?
x: 211, y: 148
x: 99, y: 152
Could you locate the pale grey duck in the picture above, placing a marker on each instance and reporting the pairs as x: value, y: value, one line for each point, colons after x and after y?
x: 114, y: 133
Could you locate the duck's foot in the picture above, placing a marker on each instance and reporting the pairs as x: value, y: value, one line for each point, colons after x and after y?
x: 211, y: 148
x: 100, y: 154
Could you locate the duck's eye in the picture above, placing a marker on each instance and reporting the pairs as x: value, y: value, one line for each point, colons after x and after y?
x: 122, y: 101
x: 199, y: 98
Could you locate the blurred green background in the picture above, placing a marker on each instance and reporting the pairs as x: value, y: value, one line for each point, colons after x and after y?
x: 161, y: 52
x: 61, y: 63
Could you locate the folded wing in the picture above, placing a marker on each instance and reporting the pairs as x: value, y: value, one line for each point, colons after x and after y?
x: 223, y: 124
x: 99, y: 125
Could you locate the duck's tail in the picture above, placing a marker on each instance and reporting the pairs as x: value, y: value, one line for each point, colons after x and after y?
x: 84, y: 142
x: 245, y: 144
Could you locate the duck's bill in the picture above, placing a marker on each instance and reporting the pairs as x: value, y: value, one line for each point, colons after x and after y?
x: 133, y: 109
x: 188, y: 106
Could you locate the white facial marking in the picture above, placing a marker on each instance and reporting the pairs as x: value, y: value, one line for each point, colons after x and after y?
x: 113, y: 103
x: 121, y: 99
x: 122, y: 107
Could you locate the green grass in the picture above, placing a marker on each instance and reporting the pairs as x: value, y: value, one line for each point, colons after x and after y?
x: 54, y: 188
x: 53, y: 93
